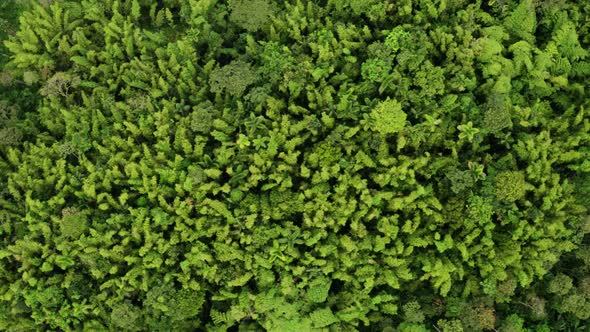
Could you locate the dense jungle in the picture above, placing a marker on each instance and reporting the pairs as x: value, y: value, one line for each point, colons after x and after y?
x: 297, y: 165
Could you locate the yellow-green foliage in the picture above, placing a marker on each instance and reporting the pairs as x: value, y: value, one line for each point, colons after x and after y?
x: 510, y: 186
x: 233, y: 78
x: 250, y: 14
x: 388, y: 117
x: 342, y: 165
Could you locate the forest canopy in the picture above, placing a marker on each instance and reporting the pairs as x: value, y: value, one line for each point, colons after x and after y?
x: 325, y: 165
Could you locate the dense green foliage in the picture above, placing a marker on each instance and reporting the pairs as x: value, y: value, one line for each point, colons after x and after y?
x: 332, y: 165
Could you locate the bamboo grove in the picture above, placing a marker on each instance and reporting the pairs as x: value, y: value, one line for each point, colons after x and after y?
x: 327, y: 165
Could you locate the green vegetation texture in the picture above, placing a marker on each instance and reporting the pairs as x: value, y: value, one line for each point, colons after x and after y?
x: 326, y: 165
